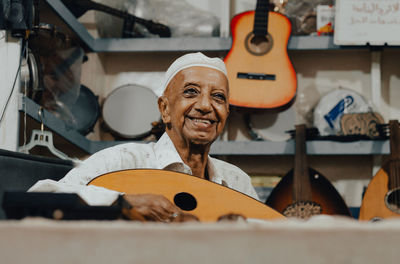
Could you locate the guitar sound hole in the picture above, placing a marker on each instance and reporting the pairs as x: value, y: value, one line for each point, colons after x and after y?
x: 185, y: 201
x: 392, y: 200
x: 258, y: 45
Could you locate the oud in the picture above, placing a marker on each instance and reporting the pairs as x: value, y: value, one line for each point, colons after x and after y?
x: 382, y: 198
x: 303, y: 191
x: 260, y: 72
x: 207, y: 200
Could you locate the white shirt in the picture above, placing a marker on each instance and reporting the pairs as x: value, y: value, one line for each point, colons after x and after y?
x: 160, y: 155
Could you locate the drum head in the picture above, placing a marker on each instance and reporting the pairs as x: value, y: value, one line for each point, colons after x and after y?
x: 272, y: 125
x: 332, y: 106
x: 129, y: 111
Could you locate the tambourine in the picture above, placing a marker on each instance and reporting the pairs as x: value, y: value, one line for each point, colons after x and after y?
x: 365, y: 124
x: 129, y: 111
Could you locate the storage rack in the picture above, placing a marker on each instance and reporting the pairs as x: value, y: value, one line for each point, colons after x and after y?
x: 315, y: 147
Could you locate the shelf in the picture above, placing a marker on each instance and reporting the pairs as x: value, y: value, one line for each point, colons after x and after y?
x: 315, y: 147
x: 311, y: 43
x: 188, y: 44
x: 317, y: 43
x: 184, y: 44
x: 219, y: 148
x: 60, y: 127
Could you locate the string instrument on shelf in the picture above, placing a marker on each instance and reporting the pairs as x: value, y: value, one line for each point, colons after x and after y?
x: 260, y: 72
x: 382, y: 198
x: 79, y: 7
x: 303, y: 191
x: 207, y: 200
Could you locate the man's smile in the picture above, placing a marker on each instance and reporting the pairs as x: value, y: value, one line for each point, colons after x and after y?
x: 201, y: 122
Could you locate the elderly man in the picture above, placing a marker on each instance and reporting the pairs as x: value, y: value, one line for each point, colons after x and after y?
x: 194, y: 106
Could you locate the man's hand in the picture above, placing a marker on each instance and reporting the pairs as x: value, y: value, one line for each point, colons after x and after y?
x: 153, y: 207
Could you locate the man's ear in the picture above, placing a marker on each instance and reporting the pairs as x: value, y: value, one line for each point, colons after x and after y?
x: 163, y: 107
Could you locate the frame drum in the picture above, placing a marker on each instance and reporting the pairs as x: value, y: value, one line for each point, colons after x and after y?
x: 130, y: 110
x: 332, y: 106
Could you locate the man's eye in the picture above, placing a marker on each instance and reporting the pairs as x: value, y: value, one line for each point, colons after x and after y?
x: 220, y: 97
x: 190, y: 91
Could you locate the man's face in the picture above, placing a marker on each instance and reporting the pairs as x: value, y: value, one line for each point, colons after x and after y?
x: 195, y: 105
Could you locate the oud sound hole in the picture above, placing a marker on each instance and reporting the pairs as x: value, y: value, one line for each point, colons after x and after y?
x: 302, y: 209
x: 392, y: 200
x: 185, y: 201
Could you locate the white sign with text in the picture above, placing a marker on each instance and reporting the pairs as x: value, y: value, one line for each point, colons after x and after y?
x: 360, y: 22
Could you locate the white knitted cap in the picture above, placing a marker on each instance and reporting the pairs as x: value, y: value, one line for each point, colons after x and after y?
x: 190, y: 60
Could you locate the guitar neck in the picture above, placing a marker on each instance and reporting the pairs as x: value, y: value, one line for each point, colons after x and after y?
x: 301, y: 179
x: 394, y: 171
x: 261, y: 18
x: 152, y: 27
x: 90, y: 5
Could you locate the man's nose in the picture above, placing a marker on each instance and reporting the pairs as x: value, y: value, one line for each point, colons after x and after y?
x: 204, y: 104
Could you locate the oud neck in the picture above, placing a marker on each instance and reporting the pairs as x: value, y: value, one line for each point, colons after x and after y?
x: 301, y: 179
x: 394, y: 167
x: 261, y: 18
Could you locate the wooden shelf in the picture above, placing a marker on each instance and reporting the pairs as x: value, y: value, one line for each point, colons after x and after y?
x: 219, y: 148
x: 184, y: 44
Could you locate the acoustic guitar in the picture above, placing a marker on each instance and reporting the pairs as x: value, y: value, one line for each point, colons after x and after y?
x: 260, y: 72
x: 205, y: 199
x: 303, y: 191
x: 382, y: 198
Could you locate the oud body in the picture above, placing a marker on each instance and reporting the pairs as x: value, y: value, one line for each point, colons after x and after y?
x: 260, y: 72
x: 322, y: 193
x: 205, y: 199
x: 382, y: 198
x: 303, y: 192
x: 373, y: 206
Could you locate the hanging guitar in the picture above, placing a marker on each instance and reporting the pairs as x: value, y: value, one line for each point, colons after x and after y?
x: 382, y: 198
x: 303, y: 191
x: 79, y: 7
x: 207, y: 200
x: 260, y: 72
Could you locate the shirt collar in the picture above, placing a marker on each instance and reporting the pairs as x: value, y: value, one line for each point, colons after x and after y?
x: 213, y: 171
x: 169, y: 159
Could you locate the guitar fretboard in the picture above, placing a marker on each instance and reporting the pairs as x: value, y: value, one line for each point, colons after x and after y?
x: 261, y: 18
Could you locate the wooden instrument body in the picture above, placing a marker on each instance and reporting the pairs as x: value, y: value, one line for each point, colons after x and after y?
x: 261, y: 93
x: 322, y: 193
x: 373, y: 205
x: 212, y: 200
x: 376, y: 204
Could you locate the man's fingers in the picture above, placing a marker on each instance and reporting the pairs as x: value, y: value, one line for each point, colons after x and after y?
x: 157, y: 208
